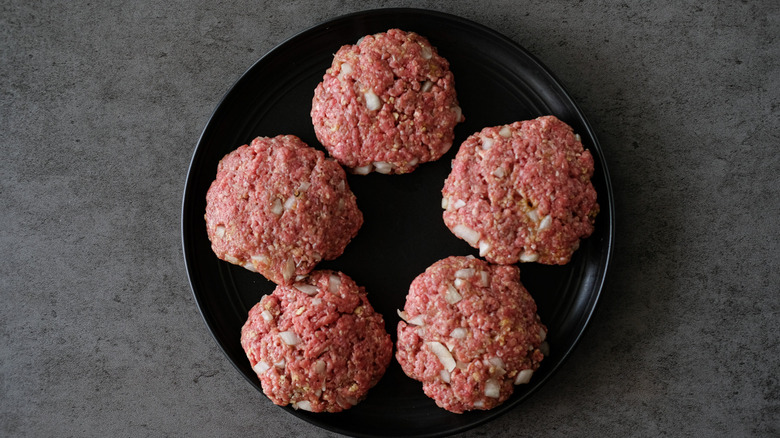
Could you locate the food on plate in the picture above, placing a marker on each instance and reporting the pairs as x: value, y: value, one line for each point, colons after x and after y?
x: 469, y: 333
x: 522, y: 192
x: 278, y: 207
x: 317, y: 344
x: 386, y: 104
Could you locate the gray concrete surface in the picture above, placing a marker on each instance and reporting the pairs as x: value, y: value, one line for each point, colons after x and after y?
x: 101, y: 105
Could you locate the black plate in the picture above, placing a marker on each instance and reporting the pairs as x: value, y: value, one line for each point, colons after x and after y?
x: 498, y: 82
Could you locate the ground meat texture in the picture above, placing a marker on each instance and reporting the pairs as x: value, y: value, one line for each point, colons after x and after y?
x: 522, y: 192
x: 386, y: 104
x: 317, y: 344
x: 278, y: 207
x: 470, y: 333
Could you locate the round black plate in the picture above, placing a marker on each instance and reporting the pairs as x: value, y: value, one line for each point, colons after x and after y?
x: 498, y: 82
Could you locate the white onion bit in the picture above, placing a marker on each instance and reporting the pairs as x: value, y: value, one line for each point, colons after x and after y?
x: 362, y: 170
x: 261, y: 367
x: 426, y: 52
x: 465, y: 273
x: 417, y: 320
x: 267, y: 317
x: 319, y: 366
x: 250, y: 266
x: 402, y: 314
x: 289, y: 204
x: 372, y: 100
x: 452, y: 296
x: 484, y: 278
x: 346, y: 68
x: 545, y: 348
x: 523, y: 377
x: 542, y: 334
x: 413, y: 161
x: 532, y: 257
x: 259, y: 258
x: 487, y: 143
x: 232, y: 259
x: 459, y: 204
x: 289, y: 269
x: 303, y: 405
x: 458, y: 114
x: 505, y: 132
x: 458, y: 333
x: 334, y: 283
x: 545, y: 223
x: 316, y: 301
x: 459, y: 282
x: 497, y: 362
x: 484, y: 247
x: 577, y: 137
x: 445, y: 203
x: 499, y: 172
x: 304, y: 186
x: 308, y: 289
x: 281, y: 363
x: 220, y: 231
x: 426, y: 86
x: 290, y: 338
x: 492, y: 389
x: 445, y: 376
x: 466, y: 233
x: 532, y: 215
x: 441, y: 352
x: 383, y: 167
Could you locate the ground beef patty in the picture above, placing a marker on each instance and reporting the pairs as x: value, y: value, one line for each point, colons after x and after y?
x: 470, y: 333
x: 317, y: 344
x: 522, y: 192
x: 278, y: 207
x: 386, y: 104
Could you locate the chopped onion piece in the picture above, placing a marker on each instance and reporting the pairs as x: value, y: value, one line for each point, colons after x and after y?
x: 417, y: 320
x: 479, y: 404
x: 444, y: 355
x: 261, y: 367
x: 303, y: 405
x: 316, y: 301
x: 362, y: 170
x: 220, y: 231
x: 532, y: 257
x: 346, y: 68
x: 276, y: 207
x: 426, y: 86
x: 466, y: 233
x: 290, y: 338
x: 577, y: 137
x: 402, y: 314
x: 458, y: 113
x: 459, y: 282
x: 532, y: 215
x: 308, y: 289
x: 383, y: 167
x: 259, y: 258
x: 545, y: 348
x: 458, y: 333
x: 290, y: 203
x: 484, y: 247
x: 289, y: 269
x: 445, y: 376
x: 523, y: 377
x: 250, y: 266
x: 452, y: 296
x: 497, y: 361
x: 485, y: 279
x: 505, y: 132
x: 445, y: 203
x: 267, y: 317
x: 487, y: 143
x: 280, y: 364
x: 304, y: 186
x: 426, y: 52
x: 465, y: 273
x: 319, y: 366
x: 459, y: 204
x: 372, y: 100
x: 542, y: 334
x: 334, y: 283
x: 414, y: 161
x: 499, y: 172
x: 545, y: 223
x: 492, y: 389
x: 232, y: 259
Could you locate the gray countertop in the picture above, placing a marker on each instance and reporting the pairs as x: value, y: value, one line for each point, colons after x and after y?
x: 101, y: 105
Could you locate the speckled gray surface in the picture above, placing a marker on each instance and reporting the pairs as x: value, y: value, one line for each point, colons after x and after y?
x: 101, y: 105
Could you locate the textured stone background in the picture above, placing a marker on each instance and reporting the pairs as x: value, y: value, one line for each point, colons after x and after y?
x: 101, y: 104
